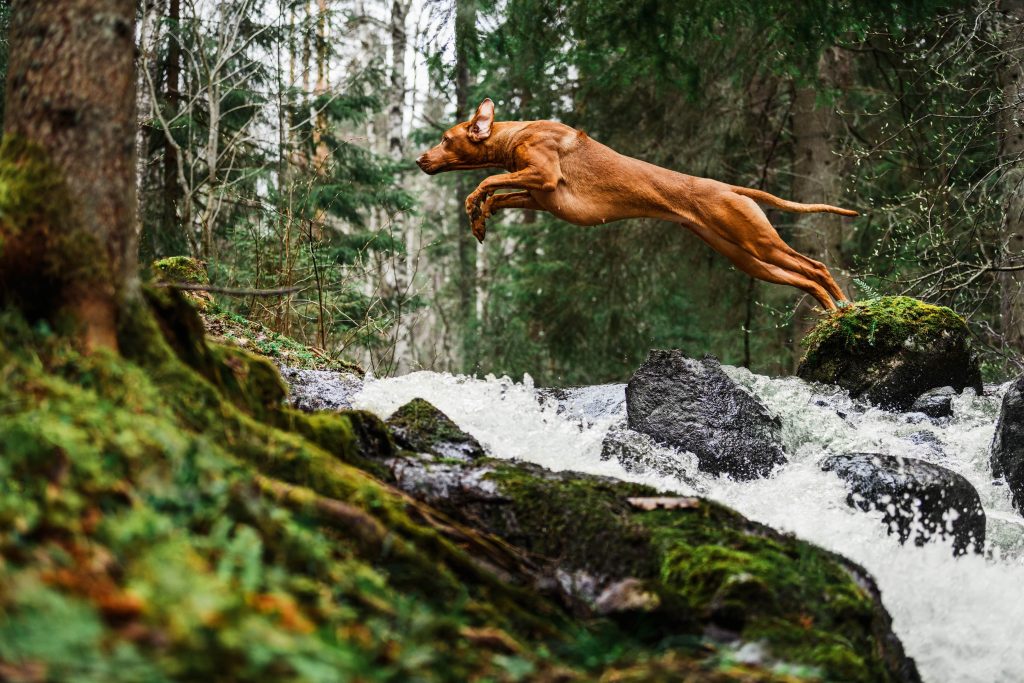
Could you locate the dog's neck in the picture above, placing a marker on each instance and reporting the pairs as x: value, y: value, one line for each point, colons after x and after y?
x: 500, y: 147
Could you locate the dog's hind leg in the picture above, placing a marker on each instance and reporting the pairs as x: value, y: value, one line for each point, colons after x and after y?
x: 784, y: 273
x: 741, y: 222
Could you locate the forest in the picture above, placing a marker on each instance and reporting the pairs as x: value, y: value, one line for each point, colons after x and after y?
x: 276, y: 142
x: 272, y: 407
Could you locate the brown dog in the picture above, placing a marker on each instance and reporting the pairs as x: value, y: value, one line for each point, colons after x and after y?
x: 559, y: 169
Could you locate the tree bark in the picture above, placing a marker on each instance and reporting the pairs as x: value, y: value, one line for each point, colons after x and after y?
x: 71, y: 92
x: 817, y: 178
x: 172, y: 100
x: 1011, y: 158
x: 465, y: 45
x: 399, y: 44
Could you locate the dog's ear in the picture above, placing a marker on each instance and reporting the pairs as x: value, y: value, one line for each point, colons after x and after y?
x: 480, y: 124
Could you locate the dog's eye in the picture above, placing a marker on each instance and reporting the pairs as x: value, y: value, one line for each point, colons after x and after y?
x: 445, y: 140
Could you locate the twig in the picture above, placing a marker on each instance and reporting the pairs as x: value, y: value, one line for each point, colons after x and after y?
x: 232, y: 291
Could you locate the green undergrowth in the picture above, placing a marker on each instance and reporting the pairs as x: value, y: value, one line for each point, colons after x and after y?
x: 878, y: 326
x: 234, y: 330
x: 164, y: 518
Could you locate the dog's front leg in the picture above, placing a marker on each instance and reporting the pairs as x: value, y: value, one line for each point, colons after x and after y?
x: 542, y: 176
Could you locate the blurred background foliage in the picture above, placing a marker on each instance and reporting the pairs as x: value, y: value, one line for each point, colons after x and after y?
x: 277, y: 139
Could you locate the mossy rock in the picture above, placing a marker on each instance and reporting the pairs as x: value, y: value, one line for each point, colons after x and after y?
x: 185, y: 270
x: 890, y: 350
x: 668, y: 567
x: 419, y: 426
x: 181, y: 269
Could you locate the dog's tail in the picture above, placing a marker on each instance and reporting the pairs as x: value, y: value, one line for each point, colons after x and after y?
x: 786, y: 205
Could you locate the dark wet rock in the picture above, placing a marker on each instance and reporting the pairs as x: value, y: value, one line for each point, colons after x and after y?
x: 312, y: 390
x: 891, y: 350
x: 1007, y: 459
x: 694, y: 406
x: 638, y: 453
x: 935, y: 403
x: 420, y: 427
x: 927, y: 441
x: 590, y: 402
x: 919, y: 499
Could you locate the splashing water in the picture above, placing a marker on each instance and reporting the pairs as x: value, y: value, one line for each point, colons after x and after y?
x: 958, y: 617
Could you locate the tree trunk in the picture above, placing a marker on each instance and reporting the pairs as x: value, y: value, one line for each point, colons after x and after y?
x: 465, y: 45
x: 399, y: 44
x: 817, y: 178
x: 1011, y: 157
x: 148, y: 46
x: 71, y: 92
x: 172, y: 100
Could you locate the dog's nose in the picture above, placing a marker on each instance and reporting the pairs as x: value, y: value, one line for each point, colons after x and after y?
x: 422, y: 160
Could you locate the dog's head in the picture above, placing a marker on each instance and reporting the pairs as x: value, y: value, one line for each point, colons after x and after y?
x: 463, y: 146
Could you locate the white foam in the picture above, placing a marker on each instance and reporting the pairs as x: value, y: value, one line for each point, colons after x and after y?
x: 959, y: 618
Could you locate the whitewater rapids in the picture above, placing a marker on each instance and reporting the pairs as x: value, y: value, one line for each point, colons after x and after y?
x: 959, y: 618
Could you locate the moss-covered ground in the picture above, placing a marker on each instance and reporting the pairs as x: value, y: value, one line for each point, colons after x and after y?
x: 164, y: 518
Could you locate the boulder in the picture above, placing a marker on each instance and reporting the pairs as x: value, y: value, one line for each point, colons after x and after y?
x: 420, y: 427
x: 694, y: 406
x: 184, y: 270
x: 311, y: 390
x: 891, y: 350
x: 937, y: 403
x: 587, y: 402
x: 638, y: 453
x: 919, y: 499
x: 1007, y: 458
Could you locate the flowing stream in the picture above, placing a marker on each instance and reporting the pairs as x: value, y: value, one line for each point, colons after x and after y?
x: 960, y: 618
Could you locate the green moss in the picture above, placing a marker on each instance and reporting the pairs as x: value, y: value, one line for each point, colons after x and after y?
x: 181, y: 269
x: 235, y: 330
x: 153, y: 529
x: 249, y: 381
x: 576, y: 520
x: 706, y: 564
x: 152, y: 473
x: 348, y: 435
x: 164, y: 517
x: 878, y: 326
x: 42, y: 249
x: 421, y: 427
x: 797, y: 598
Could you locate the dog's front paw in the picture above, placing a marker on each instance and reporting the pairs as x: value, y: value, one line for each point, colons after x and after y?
x: 479, y: 225
x: 473, y: 205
